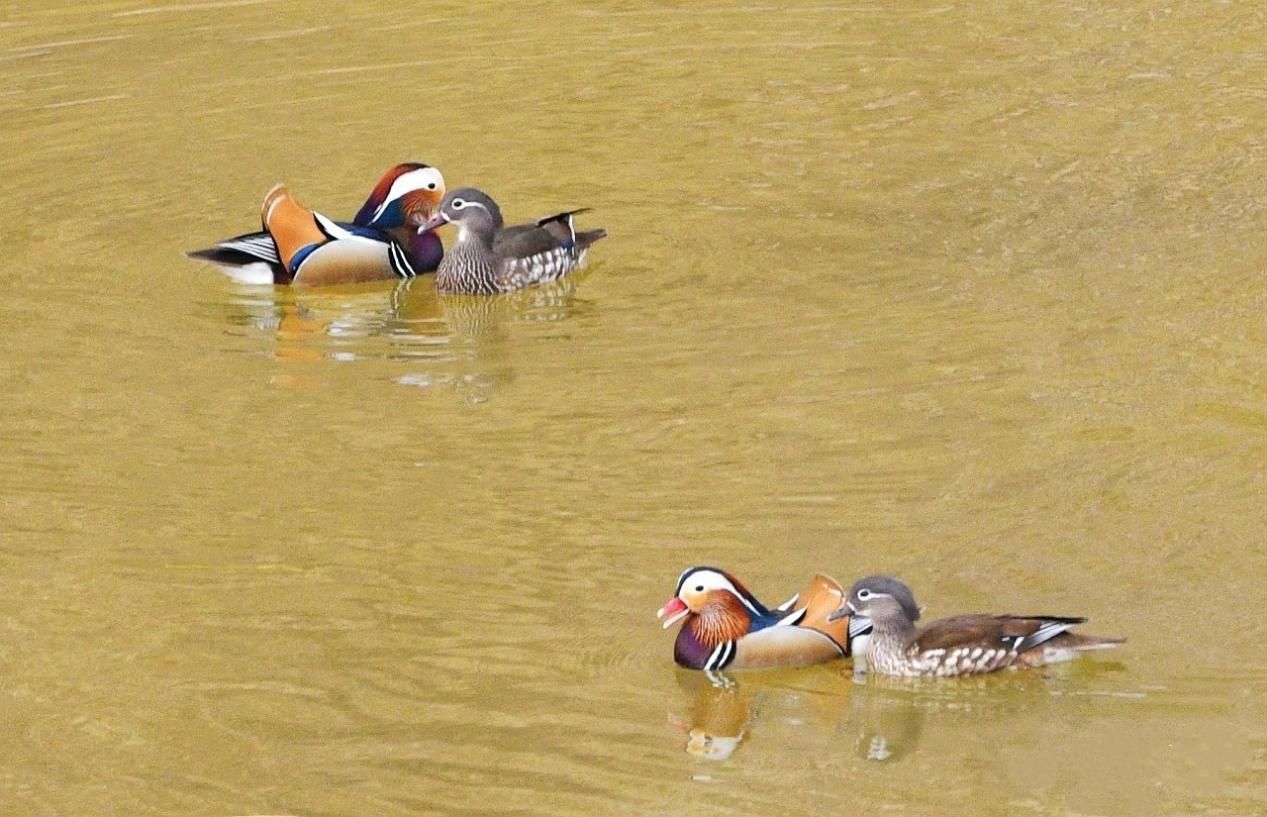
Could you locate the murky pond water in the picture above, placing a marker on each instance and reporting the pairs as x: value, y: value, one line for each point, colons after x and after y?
x: 971, y: 293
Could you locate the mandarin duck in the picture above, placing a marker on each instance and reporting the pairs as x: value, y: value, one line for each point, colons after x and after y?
x: 488, y: 257
x: 725, y: 627
x: 960, y: 645
x: 385, y: 240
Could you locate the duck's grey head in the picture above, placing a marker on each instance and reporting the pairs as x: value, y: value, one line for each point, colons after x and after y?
x: 882, y: 598
x: 471, y: 210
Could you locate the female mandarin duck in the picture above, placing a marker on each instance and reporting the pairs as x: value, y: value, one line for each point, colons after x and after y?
x: 386, y: 240
x: 725, y: 627
x: 961, y: 645
x: 488, y: 257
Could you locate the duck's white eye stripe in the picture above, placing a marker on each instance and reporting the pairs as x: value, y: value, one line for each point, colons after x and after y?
x: 427, y: 177
x: 462, y: 204
x: 703, y: 580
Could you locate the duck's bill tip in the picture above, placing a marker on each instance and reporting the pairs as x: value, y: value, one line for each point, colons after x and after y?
x: 838, y: 614
x: 672, y: 612
x: 434, y: 223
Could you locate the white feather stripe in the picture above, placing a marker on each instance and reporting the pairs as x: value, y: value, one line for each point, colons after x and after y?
x: 1047, y: 631
x: 332, y: 229
x: 413, y: 180
x: 793, y: 619
x: 260, y: 246
x: 720, y: 656
x: 399, y: 260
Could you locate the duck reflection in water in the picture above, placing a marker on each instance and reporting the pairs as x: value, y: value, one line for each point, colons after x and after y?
x: 720, y: 712
x: 460, y: 338
x: 882, y: 719
x: 885, y: 719
x: 888, y: 716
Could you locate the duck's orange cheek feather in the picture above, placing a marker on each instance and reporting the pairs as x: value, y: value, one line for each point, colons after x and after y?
x: 419, y: 207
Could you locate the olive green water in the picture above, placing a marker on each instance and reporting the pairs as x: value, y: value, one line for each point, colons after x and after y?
x: 971, y: 293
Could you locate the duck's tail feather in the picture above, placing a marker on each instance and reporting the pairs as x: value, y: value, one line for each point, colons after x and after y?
x: 588, y: 237
x: 249, y: 248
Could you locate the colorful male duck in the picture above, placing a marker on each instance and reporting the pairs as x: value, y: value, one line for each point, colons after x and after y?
x: 386, y: 240
x: 488, y: 257
x: 725, y: 627
x: 961, y: 645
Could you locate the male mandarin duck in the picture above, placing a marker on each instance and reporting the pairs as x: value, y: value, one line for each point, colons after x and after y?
x: 489, y: 258
x: 725, y: 627
x: 386, y: 240
x: 961, y: 645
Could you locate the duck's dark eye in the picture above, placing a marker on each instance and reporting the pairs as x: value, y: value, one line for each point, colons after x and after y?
x: 458, y: 204
x: 864, y: 594
x: 431, y: 186
x: 699, y: 588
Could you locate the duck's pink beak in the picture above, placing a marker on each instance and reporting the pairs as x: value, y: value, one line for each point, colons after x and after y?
x: 673, y: 612
x: 840, y: 612
x: 436, y: 221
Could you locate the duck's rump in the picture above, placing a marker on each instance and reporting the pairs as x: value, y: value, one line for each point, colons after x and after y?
x: 248, y: 248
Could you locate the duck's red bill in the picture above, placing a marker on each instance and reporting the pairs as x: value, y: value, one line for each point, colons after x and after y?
x: 672, y: 612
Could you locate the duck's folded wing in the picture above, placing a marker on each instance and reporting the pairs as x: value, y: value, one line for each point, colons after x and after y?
x: 542, y: 235
x: 1014, y: 633
x: 525, y: 241
x: 1053, y: 641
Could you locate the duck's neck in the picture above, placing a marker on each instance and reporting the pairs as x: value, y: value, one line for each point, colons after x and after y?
x: 717, y: 623
x: 720, y: 621
x: 890, y: 638
x: 688, y: 650
x: 483, y: 238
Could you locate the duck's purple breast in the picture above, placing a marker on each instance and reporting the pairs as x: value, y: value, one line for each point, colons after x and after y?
x: 426, y: 250
x: 688, y: 651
